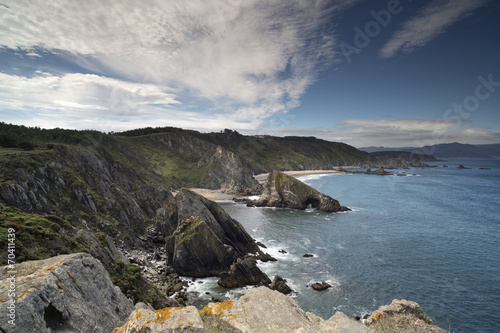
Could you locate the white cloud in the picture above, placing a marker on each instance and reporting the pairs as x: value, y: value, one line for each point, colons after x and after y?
x: 429, y: 23
x: 245, y: 59
x: 398, y: 132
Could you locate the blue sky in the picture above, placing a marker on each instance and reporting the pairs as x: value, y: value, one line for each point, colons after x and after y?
x: 392, y: 73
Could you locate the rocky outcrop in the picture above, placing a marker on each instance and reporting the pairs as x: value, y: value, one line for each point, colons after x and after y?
x: 286, y: 191
x: 206, y: 241
x: 319, y: 286
x: 243, y: 272
x: 398, y: 307
x: 279, y: 284
x: 259, y: 310
x: 68, y: 293
x: 262, y: 310
x: 403, y: 316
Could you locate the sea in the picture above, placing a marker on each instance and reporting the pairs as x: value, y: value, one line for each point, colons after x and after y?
x: 429, y: 235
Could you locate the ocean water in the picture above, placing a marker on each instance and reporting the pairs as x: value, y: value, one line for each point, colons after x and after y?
x: 432, y: 237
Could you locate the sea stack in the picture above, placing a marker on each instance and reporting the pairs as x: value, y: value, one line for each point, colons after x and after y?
x: 286, y: 191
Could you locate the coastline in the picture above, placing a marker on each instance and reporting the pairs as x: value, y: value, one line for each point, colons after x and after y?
x: 261, y: 178
x: 220, y: 195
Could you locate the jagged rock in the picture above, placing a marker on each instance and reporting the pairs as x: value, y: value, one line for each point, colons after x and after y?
x: 207, y: 241
x: 260, y: 310
x: 264, y: 257
x: 67, y: 293
x: 398, y: 307
x: 321, y: 286
x: 179, y: 319
x: 286, y: 191
x: 243, y: 272
x: 264, y: 310
x: 261, y: 245
x: 279, y: 284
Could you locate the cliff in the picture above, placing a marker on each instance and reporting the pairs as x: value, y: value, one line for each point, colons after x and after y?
x: 69, y: 293
x: 286, y: 191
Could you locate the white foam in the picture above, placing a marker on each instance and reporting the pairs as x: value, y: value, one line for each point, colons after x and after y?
x: 253, y: 197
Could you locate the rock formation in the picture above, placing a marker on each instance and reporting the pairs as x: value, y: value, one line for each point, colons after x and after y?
x: 321, y: 286
x: 260, y: 310
x: 67, y: 293
x: 286, y: 191
x: 205, y: 241
x: 401, y: 314
x: 243, y: 272
x: 279, y: 284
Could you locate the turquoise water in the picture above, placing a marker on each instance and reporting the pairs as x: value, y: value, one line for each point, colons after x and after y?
x: 433, y: 238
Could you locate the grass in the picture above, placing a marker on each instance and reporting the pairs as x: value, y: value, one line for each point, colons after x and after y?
x: 37, y: 236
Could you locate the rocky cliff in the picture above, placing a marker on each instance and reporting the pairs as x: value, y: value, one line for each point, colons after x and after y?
x: 68, y: 293
x: 286, y: 191
x: 201, y: 240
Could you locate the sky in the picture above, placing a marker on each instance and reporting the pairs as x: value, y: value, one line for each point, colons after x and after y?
x: 368, y: 73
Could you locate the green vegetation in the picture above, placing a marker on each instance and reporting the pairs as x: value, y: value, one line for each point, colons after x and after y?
x: 187, y: 229
x: 130, y: 281
x: 30, y: 138
x: 37, y: 236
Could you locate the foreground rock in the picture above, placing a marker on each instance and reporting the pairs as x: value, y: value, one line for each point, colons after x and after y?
x: 400, y: 315
x: 286, y: 191
x: 260, y: 310
x: 67, y: 293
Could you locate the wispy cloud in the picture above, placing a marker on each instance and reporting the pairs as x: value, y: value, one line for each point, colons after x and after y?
x: 429, y: 23
x: 246, y: 60
x: 399, y: 132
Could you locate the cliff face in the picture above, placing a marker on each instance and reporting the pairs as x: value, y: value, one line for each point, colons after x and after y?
x: 285, y: 191
x: 206, y: 241
x: 70, y: 293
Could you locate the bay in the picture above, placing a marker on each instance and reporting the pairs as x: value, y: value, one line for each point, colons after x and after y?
x: 431, y: 237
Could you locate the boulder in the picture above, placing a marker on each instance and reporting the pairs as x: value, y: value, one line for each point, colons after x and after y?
x: 308, y: 255
x: 67, y: 293
x: 321, y: 286
x: 286, y: 191
x: 279, y: 284
x: 243, y: 272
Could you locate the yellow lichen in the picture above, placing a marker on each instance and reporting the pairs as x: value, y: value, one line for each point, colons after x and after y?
x: 377, y: 316
x: 190, y: 323
x: 139, y: 315
x: 217, y: 310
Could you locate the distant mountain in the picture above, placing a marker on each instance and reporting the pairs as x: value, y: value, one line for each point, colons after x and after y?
x: 373, y: 149
x: 448, y: 150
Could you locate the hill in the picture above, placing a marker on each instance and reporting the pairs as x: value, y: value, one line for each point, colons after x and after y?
x: 447, y: 150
